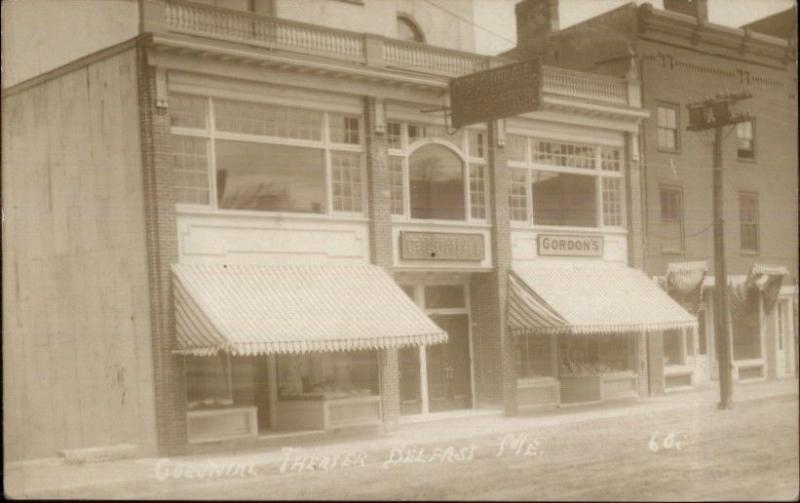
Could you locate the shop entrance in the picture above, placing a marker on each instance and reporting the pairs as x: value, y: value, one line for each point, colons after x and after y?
x: 438, y: 378
x: 784, y: 350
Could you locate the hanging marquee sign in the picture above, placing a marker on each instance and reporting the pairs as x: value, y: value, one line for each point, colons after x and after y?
x: 494, y: 94
x: 570, y: 246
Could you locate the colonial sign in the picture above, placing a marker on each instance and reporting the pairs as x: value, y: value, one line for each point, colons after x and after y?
x: 441, y: 246
x: 570, y: 246
x: 494, y: 94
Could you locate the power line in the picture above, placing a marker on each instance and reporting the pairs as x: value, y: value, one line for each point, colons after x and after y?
x: 469, y: 21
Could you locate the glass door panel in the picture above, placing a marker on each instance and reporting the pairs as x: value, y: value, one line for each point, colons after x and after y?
x: 448, y: 365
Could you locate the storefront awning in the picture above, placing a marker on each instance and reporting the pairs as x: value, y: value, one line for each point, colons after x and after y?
x: 684, y: 283
x: 589, y: 298
x: 252, y: 309
x: 763, y: 278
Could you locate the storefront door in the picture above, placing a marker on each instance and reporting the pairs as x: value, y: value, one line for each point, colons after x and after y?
x: 703, y: 347
x: 783, y: 343
x: 448, y: 365
x: 438, y: 378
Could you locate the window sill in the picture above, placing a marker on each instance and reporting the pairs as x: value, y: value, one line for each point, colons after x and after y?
x: 181, y: 209
x: 532, y: 382
x: 749, y: 253
x: 667, y: 150
x: 747, y: 160
x: 441, y: 223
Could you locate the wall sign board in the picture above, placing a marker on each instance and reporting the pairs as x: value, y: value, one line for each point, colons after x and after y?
x: 494, y: 94
x: 441, y: 246
x: 570, y: 246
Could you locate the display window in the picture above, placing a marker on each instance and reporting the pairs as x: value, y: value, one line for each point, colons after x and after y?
x: 329, y: 375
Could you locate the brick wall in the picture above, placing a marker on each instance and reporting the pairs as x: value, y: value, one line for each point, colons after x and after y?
x: 499, y: 183
x: 380, y: 238
x: 162, y: 251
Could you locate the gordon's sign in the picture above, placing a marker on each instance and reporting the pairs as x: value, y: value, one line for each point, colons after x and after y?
x: 570, y: 246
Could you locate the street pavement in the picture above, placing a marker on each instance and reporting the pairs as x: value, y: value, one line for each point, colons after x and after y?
x: 451, y: 448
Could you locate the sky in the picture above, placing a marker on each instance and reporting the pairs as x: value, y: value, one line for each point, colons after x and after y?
x: 496, y: 25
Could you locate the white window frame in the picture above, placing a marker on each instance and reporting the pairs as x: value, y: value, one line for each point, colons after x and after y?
x: 407, y: 148
x: 597, y: 172
x: 211, y: 134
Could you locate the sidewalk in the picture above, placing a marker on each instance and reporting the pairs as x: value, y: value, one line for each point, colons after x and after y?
x: 29, y: 479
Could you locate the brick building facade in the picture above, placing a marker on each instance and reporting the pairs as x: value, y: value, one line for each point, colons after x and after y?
x: 681, y: 57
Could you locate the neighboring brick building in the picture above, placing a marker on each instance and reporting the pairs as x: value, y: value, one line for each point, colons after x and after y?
x: 681, y: 57
x: 193, y: 218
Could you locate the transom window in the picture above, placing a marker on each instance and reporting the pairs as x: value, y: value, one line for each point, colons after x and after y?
x: 746, y: 143
x: 237, y: 155
x: 431, y: 176
x: 667, y: 126
x: 557, y: 183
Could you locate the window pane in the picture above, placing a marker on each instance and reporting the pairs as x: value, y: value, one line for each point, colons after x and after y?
x: 350, y: 373
x: 671, y: 205
x: 701, y: 332
x: 444, y: 296
x: 267, y: 120
x: 563, y: 154
x: 612, y: 201
x: 190, y: 165
x: 346, y: 181
x: 748, y: 217
x: 396, y: 174
x: 394, y: 135
x: 563, y: 199
x: 207, y: 381
x: 516, y: 146
x: 344, y: 128
x: 477, y: 191
x: 436, y: 184
x: 477, y: 143
x: 188, y: 111
x: 254, y: 176
x: 533, y: 356
x: 610, y: 159
x: 673, y: 347
x: 518, y: 196
x: 420, y: 131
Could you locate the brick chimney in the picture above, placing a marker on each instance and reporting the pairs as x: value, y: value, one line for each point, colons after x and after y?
x: 696, y: 8
x: 535, y: 20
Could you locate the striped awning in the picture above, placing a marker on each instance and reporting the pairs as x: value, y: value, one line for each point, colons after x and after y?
x: 684, y: 283
x: 766, y: 279
x: 589, y: 298
x: 253, y: 309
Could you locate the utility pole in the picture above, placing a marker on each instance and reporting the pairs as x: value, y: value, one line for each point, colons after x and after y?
x: 715, y: 113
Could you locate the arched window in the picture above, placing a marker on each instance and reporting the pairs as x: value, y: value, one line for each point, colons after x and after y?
x: 407, y: 29
x: 436, y: 180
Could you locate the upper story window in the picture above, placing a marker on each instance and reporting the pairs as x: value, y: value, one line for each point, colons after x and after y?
x: 746, y: 142
x: 671, y: 229
x: 236, y: 155
x: 748, y: 221
x: 408, y: 30
x: 436, y: 180
x: 667, y: 125
x: 436, y: 174
x: 564, y: 184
